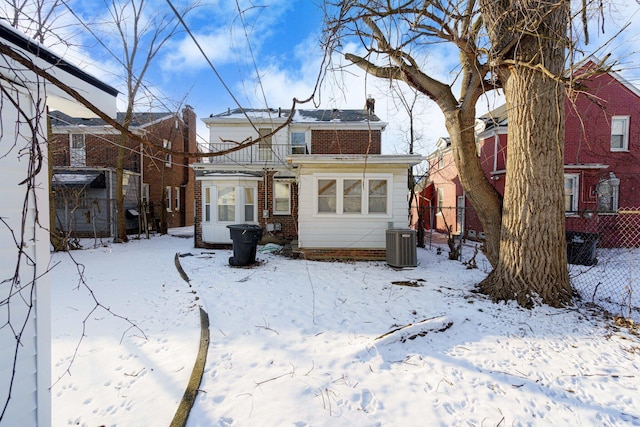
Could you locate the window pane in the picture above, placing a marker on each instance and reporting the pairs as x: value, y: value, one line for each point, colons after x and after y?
x: 249, y: 204
x: 352, y: 199
x: 378, y: 196
x: 226, y: 204
x: 298, y: 138
x: 569, y: 183
x: 282, y: 191
x: 327, y: 195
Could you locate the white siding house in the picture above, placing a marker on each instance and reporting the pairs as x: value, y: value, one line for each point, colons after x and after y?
x: 348, y: 202
x: 25, y: 331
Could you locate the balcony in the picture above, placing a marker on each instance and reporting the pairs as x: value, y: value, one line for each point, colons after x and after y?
x: 255, y: 154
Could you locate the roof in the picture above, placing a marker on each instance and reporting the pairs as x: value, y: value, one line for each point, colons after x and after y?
x: 495, y: 118
x: 75, y: 179
x: 36, y: 49
x: 59, y: 118
x: 301, y: 116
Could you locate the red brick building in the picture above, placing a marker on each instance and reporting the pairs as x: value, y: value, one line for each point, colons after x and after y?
x: 158, y: 187
x: 601, y: 152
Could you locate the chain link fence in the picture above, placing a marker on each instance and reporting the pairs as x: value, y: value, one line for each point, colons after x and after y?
x: 603, y: 251
x: 605, y: 261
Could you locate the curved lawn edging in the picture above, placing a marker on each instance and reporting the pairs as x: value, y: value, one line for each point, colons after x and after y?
x: 189, y: 397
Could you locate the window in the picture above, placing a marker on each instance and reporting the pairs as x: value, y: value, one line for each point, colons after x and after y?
x: 608, y: 194
x: 440, y: 199
x: 207, y: 204
x: 378, y: 196
x: 249, y: 204
x: 327, y: 195
x: 78, y: 152
x: 167, y: 157
x: 167, y: 194
x: 353, y: 195
x: 145, y: 197
x: 619, y: 133
x: 281, y: 198
x: 177, y: 199
x: 460, y: 208
x: 571, y: 193
x: 264, y: 146
x: 226, y: 204
x: 298, y: 143
x: 440, y: 161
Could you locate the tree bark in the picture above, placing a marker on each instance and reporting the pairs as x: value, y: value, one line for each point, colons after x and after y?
x: 533, y: 263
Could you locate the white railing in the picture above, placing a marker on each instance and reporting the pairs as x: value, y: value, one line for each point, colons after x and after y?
x: 254, y: 154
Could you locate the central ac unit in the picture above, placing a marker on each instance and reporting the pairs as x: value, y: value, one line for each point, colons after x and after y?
x: 401, y: 248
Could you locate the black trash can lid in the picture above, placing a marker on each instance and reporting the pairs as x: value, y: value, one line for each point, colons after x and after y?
x: 244, y: 227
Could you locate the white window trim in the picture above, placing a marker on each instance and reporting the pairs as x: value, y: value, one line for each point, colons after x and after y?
x: 168, y: 199
x: 339, y: 178
x: 177, y: 198
x: 167, y: 157
x: 275, y: 211
x: 239, y: 206
x: 306, y: 140
x: 576, y: 193
x: 625, y: 137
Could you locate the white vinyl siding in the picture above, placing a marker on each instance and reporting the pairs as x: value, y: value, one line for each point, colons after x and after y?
x: 225, y: 202
x: 349, y: 230
x: 28, y: 310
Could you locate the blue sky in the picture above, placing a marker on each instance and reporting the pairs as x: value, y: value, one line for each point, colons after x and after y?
x: 279, y: 41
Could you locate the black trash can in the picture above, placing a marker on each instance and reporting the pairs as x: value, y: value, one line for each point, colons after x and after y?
x: 581, y: 247
x: 245, y: 239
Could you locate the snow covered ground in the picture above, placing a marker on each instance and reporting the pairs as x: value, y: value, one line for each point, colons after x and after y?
x: 303, y: 343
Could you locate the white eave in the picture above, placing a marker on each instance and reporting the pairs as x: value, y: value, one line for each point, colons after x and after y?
x: 354, y: 159
x: 586, y: 166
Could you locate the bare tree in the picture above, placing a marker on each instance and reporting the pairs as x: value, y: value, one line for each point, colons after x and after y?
x: 519, y: 47
x: 138, y: 33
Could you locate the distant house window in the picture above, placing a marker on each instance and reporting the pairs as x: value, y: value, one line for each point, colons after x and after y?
x: 352, y: 195
x: 620, y: 133
x: 281, y: 198
x: 167, y: 157
x: 226, y: 204
x: 264, y: 146
x: 177, y: 198
x: 298, y: 143
x: 145, y: 197
x: 78, y: 151
x: 249, y: 204
x: 440, y: 161
x: 440, y: 199
x: 608, y: 194
x: 460, y: 209
x: 571, y: 193
x: 167, y: 194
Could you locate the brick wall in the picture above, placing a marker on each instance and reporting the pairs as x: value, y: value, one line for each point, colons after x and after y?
x: 345, y: 141
x: 351, y: 254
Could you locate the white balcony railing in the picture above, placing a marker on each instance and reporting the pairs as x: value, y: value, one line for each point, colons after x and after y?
x: 254, y: 154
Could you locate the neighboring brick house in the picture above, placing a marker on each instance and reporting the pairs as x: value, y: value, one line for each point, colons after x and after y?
x: 158, y: 187
x: 601, y: 152
x: 320, y: 181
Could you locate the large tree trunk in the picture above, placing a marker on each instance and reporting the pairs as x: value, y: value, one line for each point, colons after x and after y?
x: 533, y: 261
